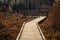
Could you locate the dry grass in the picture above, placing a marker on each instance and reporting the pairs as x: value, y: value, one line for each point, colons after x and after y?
x: 10, y: 26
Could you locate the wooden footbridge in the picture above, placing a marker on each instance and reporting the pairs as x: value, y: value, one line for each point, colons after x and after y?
x: 31, y: 30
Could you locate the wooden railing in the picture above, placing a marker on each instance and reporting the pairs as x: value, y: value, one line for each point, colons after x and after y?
x: 40, y: 31
x: 20, y: 33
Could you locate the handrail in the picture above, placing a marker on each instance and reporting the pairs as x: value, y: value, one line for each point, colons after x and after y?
x: 41, y: 33
x: 20, y: 33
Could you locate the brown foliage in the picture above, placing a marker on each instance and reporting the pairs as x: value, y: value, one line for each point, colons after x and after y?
x: 10, y: 25
x: 51, y: 26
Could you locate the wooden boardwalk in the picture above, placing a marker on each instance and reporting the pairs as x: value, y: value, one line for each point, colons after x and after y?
x: 31, y: 31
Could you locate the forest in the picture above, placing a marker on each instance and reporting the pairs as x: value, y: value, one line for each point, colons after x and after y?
x: 23, y: 5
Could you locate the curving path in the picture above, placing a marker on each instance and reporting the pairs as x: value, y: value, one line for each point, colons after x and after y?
x: 32, y: 31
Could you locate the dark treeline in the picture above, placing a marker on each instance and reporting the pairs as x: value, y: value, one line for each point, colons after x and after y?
x: 16, y: 5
